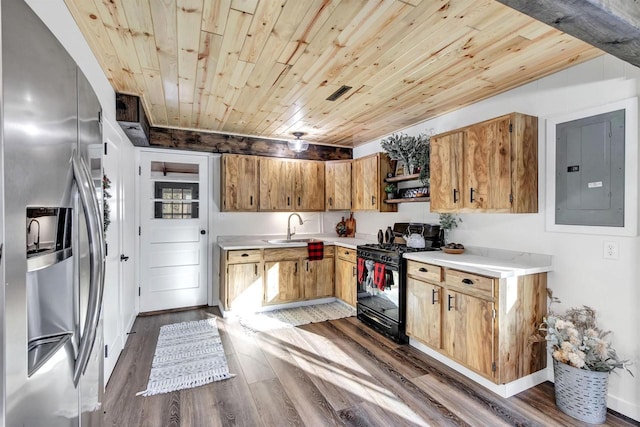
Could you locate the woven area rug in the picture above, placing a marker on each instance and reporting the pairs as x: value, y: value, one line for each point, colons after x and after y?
x: 188, y: 354
x: 291, y: 317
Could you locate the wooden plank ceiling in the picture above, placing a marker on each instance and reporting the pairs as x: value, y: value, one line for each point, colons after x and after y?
x: 266, y: 67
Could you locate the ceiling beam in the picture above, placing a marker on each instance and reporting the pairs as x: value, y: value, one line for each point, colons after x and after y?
x: 131, y: 116
x: 610, y: 25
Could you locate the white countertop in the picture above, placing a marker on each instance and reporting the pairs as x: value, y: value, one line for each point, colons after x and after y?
x: 260, y: 242
x: 489, y: 262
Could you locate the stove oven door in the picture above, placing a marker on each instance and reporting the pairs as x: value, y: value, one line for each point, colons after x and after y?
x: 379, y: 290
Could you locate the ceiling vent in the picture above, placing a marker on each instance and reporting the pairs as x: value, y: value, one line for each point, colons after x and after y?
x: 337, y: 94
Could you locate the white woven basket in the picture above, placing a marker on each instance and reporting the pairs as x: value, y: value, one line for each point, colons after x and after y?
x: 580, y: 393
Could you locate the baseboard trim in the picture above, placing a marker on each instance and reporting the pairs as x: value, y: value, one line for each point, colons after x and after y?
x: 503, y: 390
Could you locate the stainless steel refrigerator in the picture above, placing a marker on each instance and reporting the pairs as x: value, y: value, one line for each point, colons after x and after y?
x: 52, y: 261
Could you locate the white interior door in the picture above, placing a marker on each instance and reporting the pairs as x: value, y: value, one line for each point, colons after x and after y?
x: 174, y: 230
x: 113, y: 328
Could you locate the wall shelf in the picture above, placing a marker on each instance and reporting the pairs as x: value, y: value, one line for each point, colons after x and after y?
x: 408, y: 200
x: 402, y: 178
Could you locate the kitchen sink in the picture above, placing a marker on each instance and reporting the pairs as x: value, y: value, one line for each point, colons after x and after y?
x: 291, y: 242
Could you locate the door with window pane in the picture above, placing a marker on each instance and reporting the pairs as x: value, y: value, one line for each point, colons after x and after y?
x: 174, y: 232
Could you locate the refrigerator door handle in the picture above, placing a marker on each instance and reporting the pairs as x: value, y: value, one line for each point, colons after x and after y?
x: 91, y: 209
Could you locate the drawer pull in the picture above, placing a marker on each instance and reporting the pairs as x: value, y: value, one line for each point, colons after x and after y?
x: 467, y: 281
x: 244, y: 255
x: 434, y: 292
x: 423, y: 270
x: 449, y: 298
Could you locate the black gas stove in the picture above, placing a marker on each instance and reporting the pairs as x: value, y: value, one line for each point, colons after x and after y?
x: 381, y: 297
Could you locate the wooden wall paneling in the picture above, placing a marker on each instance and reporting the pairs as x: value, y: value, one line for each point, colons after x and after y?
x: 164, y: 16
x: 208, y: 54
x: 265, y: 17
x: 138, y: 14
x: 214, y: 16
x: 189, y: 16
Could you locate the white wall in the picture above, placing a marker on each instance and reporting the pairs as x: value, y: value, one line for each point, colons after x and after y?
x: 580, y: 274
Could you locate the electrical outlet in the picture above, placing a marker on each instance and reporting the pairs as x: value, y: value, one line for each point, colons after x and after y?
x: 610, y: 250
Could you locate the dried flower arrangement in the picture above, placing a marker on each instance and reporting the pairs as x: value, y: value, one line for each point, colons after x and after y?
x: 576, y: 340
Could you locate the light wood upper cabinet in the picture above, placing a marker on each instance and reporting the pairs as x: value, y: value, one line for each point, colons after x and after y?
x: 337, y: 185
x: 367, y: 179
x: 239, y: 183
x: 291, y: 185
x: 276, y: 184
x: 309, y: 186
x: 446, y: 175
x: 487, y: 167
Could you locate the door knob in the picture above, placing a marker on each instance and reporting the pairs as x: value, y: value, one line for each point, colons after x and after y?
x: 124, y: 258
x: 203, y: 231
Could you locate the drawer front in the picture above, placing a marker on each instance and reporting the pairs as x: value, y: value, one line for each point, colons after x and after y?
x: 347, y: 254
x: 283, y: 254
x: 244, y: 256
x: 420, y: 270
x: 468, y: 281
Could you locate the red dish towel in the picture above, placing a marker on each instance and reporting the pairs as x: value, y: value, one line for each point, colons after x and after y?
x: 316, y: 251
x: 378, y: 275
x: 360, y: 270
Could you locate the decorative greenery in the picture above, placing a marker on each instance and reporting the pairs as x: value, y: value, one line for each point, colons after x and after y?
x: 390, y: 188
x: 106, y: 195
x: 576, y: 340
x: 449, y: 221
x: 412, y: 150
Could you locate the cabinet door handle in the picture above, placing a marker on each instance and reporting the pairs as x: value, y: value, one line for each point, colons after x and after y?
x: 449, y: 299
x: 288, y: 201
x: 298, y: 200
x: 373, y: 200
x: 307, y: 265
x: 251, y: 200
x: 434, y: 293
x: 330, y: 201
x: 455, y: 195
x: 255, y: 269
x: 295, y: 271
x: 353, y: 271
x: 471, y: 199
x: 423, y: 270
x: 467, y: 281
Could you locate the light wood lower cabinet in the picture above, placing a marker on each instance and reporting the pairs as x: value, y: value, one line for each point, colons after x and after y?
x: 469, y: 337
x: 481, y: 322
x: 424, y: 312
x: 317, y: 278
x: 242, y: 284
x: 256, y: 277
x: 282, y: 283
x: 346, y: 275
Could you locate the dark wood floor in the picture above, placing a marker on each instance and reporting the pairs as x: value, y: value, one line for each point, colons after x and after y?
x: 324, y: 374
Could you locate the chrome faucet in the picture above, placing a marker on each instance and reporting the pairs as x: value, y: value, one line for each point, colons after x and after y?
x: 37, y: 238
x: 289, y: 233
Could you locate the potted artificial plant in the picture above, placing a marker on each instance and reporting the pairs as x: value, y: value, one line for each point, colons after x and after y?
x: 582, y: 361
x: 448, y: 222
x: 410, y: 150
x: 390, y: 189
